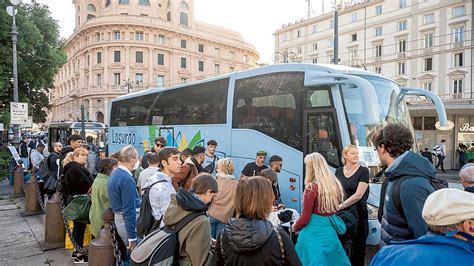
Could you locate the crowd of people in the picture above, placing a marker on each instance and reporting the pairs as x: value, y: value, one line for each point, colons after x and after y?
x: 231, y: 225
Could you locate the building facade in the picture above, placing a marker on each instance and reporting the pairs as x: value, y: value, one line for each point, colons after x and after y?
x: 417, y: 43
x: 122, y: 46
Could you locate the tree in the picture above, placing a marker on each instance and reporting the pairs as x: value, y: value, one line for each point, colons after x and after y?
x: 40, y: 55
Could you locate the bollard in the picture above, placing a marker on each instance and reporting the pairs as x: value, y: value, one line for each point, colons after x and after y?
x: 18, y: 182
x: 32, y: 206
x: 101, y: 251
x: 54, y: 232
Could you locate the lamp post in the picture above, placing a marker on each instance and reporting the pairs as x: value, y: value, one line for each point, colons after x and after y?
x: 285, y: 55
x: 337, y: 7
x: 11, y: 10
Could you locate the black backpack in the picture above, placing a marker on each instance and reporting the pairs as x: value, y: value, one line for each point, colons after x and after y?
x: 146, y: 222
x: 436, y: 183
x: 161, y: 247
x: 210, y: 167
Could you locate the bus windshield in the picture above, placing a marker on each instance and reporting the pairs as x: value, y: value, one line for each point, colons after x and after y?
x: 392, y: 110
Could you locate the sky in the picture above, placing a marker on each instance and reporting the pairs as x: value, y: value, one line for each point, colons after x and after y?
x: 255, y: 20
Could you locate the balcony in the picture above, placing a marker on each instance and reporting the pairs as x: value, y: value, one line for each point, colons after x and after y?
x: 401, y: 55
x: 457, y: 45
x: 427, y: 50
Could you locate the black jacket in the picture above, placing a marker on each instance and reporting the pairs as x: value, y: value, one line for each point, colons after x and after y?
x: 77, y: 178
x: 253, y: 242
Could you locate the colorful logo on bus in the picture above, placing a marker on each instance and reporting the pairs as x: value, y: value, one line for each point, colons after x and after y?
x: 174, y: 139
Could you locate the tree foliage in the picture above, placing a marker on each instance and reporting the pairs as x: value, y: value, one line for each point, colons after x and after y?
x: 40, y: 54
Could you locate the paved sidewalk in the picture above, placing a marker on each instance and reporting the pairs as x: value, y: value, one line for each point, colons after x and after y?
x: 20, y: 235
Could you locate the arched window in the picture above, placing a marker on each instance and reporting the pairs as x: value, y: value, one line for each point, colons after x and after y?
x: 183, y: 5
x: 183, y: 18
x: 90, y: 8
x: 107, y: 3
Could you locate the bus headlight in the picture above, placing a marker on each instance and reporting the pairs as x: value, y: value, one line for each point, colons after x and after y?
x: 373, y: 212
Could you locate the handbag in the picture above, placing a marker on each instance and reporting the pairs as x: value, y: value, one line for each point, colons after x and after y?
x: 78, y: 209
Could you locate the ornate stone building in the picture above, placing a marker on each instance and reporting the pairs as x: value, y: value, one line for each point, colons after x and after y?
x: 122, y: 46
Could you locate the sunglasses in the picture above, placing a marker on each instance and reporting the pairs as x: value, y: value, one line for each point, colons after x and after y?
x: 159, y: 144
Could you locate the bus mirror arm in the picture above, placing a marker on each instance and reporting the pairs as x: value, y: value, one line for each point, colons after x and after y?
x: 370, y: 105
x: 440, y: 110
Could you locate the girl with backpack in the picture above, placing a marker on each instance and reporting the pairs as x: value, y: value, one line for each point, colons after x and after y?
x: 319, y: 226
x: 250, y: 239
x: 195, y: 237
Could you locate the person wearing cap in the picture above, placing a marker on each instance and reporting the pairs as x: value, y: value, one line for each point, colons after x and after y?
x: 449, y: 214
x: 276, y: 163
x: 255, y: 168
x: 467, y: 177
x: 190, y: 168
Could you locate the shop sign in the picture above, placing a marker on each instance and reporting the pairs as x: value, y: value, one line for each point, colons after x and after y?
x: 466, y: 128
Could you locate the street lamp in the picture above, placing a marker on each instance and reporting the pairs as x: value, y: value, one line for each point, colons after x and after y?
x: 285, y: 56
x: 11, y: 10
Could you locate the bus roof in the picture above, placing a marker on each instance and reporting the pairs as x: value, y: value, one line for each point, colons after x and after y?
x: 78, y: 125
x: 293, y: 67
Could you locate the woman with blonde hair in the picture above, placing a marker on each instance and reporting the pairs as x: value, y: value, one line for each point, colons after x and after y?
x: 318, y: 243
x: 355, y: 182
x: 222, y: 206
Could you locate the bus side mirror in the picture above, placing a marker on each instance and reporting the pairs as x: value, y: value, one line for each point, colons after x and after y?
x: 440, y: 110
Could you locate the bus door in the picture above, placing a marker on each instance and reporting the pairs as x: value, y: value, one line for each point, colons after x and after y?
x: 320, y: 126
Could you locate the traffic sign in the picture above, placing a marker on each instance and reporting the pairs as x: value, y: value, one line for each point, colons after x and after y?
x: 18, y: 113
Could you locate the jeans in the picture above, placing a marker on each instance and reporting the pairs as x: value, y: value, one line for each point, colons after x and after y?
x: 216, y: 227
x: 440, y: 162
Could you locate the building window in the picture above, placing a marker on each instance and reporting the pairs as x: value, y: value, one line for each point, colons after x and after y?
x: 201, y: 48
x: 139, y: 36
x: 108, y: 3
x: 116, y: 56
x: 314, y: 28
x: 428, y: 86
x: 116, y: 35
x: 299, y: 50
x: 284, y: 37
x: 183, y: 62
x: 217, y: 69
x: 458, y: 33
x: 378, y: 51
x: 90, y: 8
x: 184, y: 80
x: 138, y: 78
x: 354, y: 37
x: 168, y: 16
x: 161, y: 59
x: 138, y: 57
x: 116, y: 79
x: 331, y: 43
x: 417, y: 123
x: 428, y: 40
x: 458, y: 59
x: 402, y: 46
x: 245, y: 59
x: 123, y: 2
x: 97, y: 37
x: 88, y: 60
x: 354, y: 17
x: 331, y: 24
x: 378, y: 10
x: 378, y: 31
x: 314, y: 46
x: 183, y: 19
x: 99, y: 58
x: 216, y: 51
x: 401, y: 68
x: 98, y: 79
x: 402, y: 25
x: 183, y: 5
x: 144, y: 2
x: 458, y: 11
x: 353, y: 57
x: 314, y: 60
x: 183, y: 44
x: 457, y: 88
x: 378, y: 69
x: 402, y: 3
x: 428, y: 19
x: 161, y: 39
x: 201, y: 66
x: 160, y: 81
x: 429, y: 123
x: 231, y: 54
x: 428, y: 64
x: 299, y: 33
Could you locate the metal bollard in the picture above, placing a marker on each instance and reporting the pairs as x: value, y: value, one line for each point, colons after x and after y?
x: 18, y: 182
x: 54, y: 232
x: 101, y: 250
x: 32, y: 206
